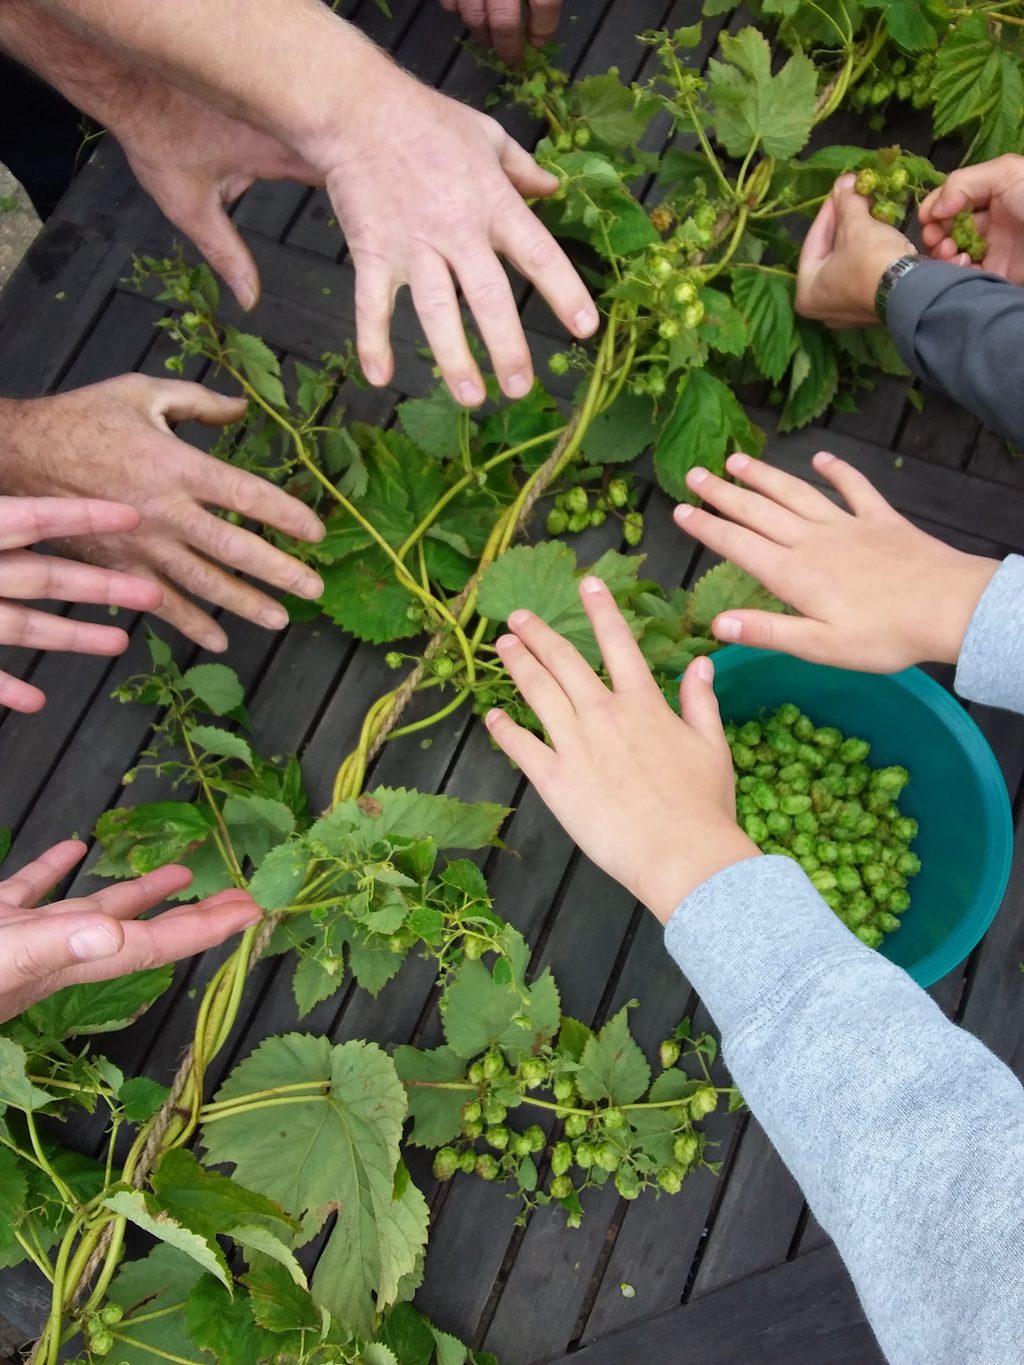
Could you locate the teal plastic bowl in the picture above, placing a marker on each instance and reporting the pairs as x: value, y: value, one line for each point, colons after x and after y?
x: 956, y: 792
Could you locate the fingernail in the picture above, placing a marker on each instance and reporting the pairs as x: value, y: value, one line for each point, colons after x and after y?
x: 683, y: 511
x: 492, y: 717
x: 92, y: 943
x: 275, y: 618
x: 728, y: 628
x: 845, y: 181
x: 737, y: 462
x: 506, y: 642
x: 244, y: 293
x: 517, y: 385
x: 310, y: 585
x: 592, y: 584
x: 373, y: 374
x: 585, y: 322
x: 469, y: 394
x: 823, y: 457
x: 314, y: 530
x: 704, y: 669
x: 216, y: 644
x: 696, y: 476
x: 518, y: 618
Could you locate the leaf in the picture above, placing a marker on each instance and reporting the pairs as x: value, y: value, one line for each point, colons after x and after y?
x: 258, y: 363
x: 224, y: 1325
x: 752, y: 106
x: 257, y: 824
x: 162, y: 1279
x: 436, y: 1113
x: 433, y: 423
x: 334, y: 1153
x: 313, y: 983
x: 373, y: 964
x: 361, y: 595
x: 13, y: 1195
x: 655, y: 1129
x: 723, y: 326
x: 815, y: 377
x: 211, y: 739
x: 612, y: 1066
x: 611, y: 111
x: 727, y: 587
x: 279, y: 876
x: 5, y: 844
x: 139, y: 839
x: 478, y: 1012
x: 766, y: 302
x: 278, y: 1303
x: 914, y: 24
x: 253, y: 1237
x: 408, y: 1334
x: 210, y: 1204
x: 705, y: 422
x: 621, y: 433
x: 99, y: 1007
x: 216, y: 686
x: 975, y: 79
x: 872, y: 347
x: 145, y: 1212
x: 15, y: 1087
x: 141, y: 1098
x: 403, y: 812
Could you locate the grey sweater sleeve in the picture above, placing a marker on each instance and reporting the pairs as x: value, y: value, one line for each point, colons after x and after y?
x: 960, y: 331
x: 905, y: 1133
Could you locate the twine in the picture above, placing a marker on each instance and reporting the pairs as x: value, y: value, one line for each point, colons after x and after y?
x: 403, y: 695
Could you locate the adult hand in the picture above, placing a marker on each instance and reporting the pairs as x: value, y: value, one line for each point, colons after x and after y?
x: 499, y: 23
x: 25, y: 575
x: 428, y: 191
x: 844, y: 255
x: 115, y: 436
x: 94, y: 938
x: 647, y: 796
x: 994, y: 192
x: 872, y: 591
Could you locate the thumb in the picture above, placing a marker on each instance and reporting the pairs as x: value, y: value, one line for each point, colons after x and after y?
x: 182, y: 401
x: 44, y: 945
x: 821, y: 237
x: 216, y: 236
x: 531, y: 180
x: 698, y: 703
x: 852, y: 209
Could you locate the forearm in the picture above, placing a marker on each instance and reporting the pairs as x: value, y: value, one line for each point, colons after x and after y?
x: 905, y: 1133
x: 960, y: 331
x: 291, y: 68
x: 991, y: 664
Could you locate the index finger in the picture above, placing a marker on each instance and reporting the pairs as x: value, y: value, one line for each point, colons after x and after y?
x: 23, y: 521
x: 219, y: 485
x: 626, y: 666
x: 506, y: 25
x: 524, y: 241
x: 543, y: 24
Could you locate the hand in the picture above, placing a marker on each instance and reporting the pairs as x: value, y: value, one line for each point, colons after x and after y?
x: 499, y: 23
x: 844, y: 256
x: 114, y: 436
x: 872, y: 591
x: 426, y: 188
x: 23, y: 574
x: 649, y: 797
x: 994, y: 192
x: 94, y: 938
x: 194, y: 161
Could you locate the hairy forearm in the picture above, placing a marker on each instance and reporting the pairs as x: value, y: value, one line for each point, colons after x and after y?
x: 289, y: 67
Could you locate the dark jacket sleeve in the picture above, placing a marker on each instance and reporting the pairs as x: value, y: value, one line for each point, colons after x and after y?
x: 962, y: 332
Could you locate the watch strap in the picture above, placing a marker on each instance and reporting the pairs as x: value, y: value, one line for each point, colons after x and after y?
x: 891, y: 276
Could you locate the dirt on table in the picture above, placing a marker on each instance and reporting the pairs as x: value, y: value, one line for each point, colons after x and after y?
x: 18, y: 224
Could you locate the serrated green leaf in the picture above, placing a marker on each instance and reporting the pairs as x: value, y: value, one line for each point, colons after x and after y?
x: 145, y: 1212
x: 337, y: 1152
x: 727, y: 587
x: 211, y: 739
x: 914, y: 24
x: 373, y: 964
x: 139, y: 839
x: 279, y: 876
x: 408, y: 1334
x: 706, y: 423
x: 376, y: 1354
x: 15, y: 1087
x: 478, y: 1012
x: 223, y: 1324
x: 815, y: 377
x: 723, y: 327
x: 216, y: 686
x: 278, y: 1303
x: 361, y: 595
x: 259, y: 364
x: 209, y: 1203
x: 751, y: 106
x: 435, y: 1112
x: 613, y: 113
x: 388, y: 812
x: 766, y: 302
x: 13, y: 1197
x: 141, y: 1098
x: 313, y: 983
x: 257, y: 824
x: 98, y: 1007
x: 621, y: 433
x: 143, y: 1288
x: 433, y: 423
x: 612, y: 1066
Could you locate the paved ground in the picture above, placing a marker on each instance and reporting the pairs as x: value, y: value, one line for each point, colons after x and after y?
x: 18, y: 224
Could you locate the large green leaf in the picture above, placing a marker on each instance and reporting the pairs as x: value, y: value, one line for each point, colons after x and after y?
x: 258, y: 363
x: 433, y: 423
x: 706, y: 424
x: 15, y: 1087
x: 766, y: 302
x: 220, y: 743
x: 161, y: 1281
x: 13, y: 1196
x: 977, y: 81
x: 612, y: 112
x: 146, y: 1213
x: 914, y: 24
x: 752, y: 106
x: 333, y: 1152
x: 138, y: 839
x: 257, y: 824
x: 279, y: 876
x: 612, y: 1066
x: 211, y: 1204
x: 623, y: 432
x: 436, y: 1112
x: 362, y: 596
x: 815, y: 377
x: 98, y: 1007
x: 224, y: 1326
x: 216, y: 686
x: 727, y: 587
x: 479, y: 1011
x: 399, y: 811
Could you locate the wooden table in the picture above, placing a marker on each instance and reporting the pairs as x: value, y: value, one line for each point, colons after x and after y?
x: 732, y: 1270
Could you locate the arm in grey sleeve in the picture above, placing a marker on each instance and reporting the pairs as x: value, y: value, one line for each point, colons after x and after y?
x: 961, y: 332
x: 991, y: 664
x: 905, y: 1133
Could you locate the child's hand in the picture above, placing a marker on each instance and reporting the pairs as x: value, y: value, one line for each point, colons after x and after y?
x: 647, y: 796
x: 872, y: 591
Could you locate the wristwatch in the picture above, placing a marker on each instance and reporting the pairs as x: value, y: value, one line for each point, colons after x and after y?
x: 891, y: 276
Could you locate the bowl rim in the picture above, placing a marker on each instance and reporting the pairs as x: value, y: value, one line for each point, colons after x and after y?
x: 997, y: 811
